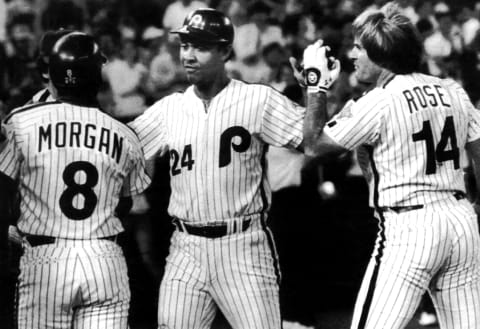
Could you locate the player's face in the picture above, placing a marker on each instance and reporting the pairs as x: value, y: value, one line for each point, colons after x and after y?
x: 201, y: 62
x: 365, y: 69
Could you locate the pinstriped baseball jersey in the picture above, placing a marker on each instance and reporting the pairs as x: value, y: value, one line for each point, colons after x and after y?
x: 414, y: 129
x: 72, y: 162
x: 217, y: 162
x: 418, y: 125
x: 218, y: 177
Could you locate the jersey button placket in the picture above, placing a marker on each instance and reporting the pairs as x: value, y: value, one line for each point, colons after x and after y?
x: 203, y: 155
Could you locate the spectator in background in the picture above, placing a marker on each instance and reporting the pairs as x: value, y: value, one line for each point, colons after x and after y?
x: 235, y: 9
x: 252, y: 37
x: 165, y: 70
x: 298, y: 31
x: 63, y: 13
x: 275, y: 57
x: 444, y: 43
x: 425, y: 11
x: 3, y: 20
x: 127, y: 79
x: 176, y: 12
x: 470, y: 24
x: 22, y: 77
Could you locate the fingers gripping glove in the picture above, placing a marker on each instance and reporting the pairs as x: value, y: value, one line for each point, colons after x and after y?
x: 321, y: 71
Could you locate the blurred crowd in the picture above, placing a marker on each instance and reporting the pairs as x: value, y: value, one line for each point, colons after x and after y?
x: 143, y: 57
x: 143, y: 66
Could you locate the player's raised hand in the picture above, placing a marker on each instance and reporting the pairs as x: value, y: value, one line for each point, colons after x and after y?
x: 320, y: 70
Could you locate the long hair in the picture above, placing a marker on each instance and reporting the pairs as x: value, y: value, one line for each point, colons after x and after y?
x: 390, y: 39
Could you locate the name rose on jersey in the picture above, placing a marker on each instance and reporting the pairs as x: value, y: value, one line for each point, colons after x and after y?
x: 425, y: 96
x: 78, y: 134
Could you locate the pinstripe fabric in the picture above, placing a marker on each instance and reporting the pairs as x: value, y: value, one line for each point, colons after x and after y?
x: 235, y: 273
x: 437, y: 249
x: 225, y: 184
x: 41, y: 166
x: 73, y: 164
x: 416, y: 127
x: 385, y: 119
x: 79, y: 283
x: 208, y: 192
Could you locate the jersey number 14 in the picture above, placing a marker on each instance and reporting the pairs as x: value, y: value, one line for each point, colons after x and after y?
x: 439, y: 153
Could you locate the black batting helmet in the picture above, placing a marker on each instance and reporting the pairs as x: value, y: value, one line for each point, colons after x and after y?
x: 76, y: 63
x: 45, y: 47
x: 207, y: 25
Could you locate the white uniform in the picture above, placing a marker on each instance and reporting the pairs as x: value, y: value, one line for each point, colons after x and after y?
x: 414, y: 129
x: 222, y: 253
x: 73, y: 163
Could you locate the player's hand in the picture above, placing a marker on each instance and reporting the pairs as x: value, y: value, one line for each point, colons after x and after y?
x: 321, y: 70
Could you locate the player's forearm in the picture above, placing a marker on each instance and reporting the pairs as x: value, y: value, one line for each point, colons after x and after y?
x: 315, y: 120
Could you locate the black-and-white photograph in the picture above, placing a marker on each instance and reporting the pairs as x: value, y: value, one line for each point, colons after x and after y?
x: 239, y: 164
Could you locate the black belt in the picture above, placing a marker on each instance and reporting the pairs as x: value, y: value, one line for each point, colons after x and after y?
x: 38, y: 240
x: 459, y: 195
x: 400, y: 209
x: 212, y: 231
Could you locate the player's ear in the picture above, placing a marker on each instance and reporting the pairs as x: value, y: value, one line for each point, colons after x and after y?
x: 227, y: 52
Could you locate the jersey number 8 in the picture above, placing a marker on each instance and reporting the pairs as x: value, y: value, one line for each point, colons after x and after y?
x: 74, y: 189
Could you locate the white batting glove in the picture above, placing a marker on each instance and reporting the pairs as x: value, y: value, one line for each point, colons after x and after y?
x: 318, y: 76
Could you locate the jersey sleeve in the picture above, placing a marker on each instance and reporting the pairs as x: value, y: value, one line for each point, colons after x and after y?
x: 358, y: 122
x: 137, y: 180
x: 151, y: 130
x: 282, y: 121
x: 10, y: 155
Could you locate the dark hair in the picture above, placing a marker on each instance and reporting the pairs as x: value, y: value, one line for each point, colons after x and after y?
x: 390, y: 39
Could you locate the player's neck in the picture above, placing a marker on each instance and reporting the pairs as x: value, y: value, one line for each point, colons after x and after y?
x: 81, y: 100
x: 206, y: 91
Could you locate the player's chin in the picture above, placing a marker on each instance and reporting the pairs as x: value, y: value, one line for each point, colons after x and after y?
x: 192, y: 77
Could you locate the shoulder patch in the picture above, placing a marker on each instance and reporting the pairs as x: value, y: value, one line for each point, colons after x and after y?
x: 28, y: 107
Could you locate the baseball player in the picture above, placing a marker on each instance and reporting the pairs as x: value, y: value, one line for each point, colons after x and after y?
x: 222, y: 253
x: 415, y: 130
x: 44, y: 95
x: 74, y: 164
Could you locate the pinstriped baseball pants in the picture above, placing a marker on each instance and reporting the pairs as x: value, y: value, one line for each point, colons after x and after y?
x: 434, y: 249
x: 73, y: 284
x: 236, y: 273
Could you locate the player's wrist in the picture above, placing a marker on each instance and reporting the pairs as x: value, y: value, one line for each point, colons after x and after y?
x: 316, y: 90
